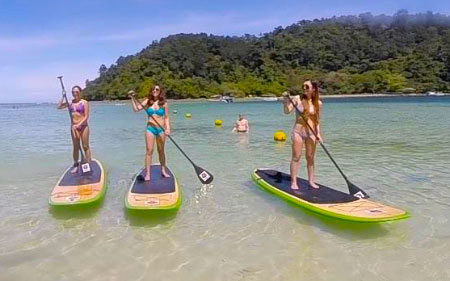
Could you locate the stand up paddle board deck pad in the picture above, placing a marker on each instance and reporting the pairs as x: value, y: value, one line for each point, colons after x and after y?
x: 80, y: 188
x: 159, y: 193
x: 325, y: 200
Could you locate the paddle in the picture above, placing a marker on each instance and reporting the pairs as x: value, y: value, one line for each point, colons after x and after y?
x: 85, y: 167
x: 353, y: 189
x: 204, y: 176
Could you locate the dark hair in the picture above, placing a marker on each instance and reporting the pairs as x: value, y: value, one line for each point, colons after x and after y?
x: 78, y: 87
x: 161, y: 98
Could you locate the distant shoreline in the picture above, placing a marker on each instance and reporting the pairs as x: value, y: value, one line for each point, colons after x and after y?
x: 372, y: 95
x: 367, y: 95
x: 251, y: 99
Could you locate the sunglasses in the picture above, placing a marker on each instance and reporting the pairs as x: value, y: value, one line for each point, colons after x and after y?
x: 305, y: 87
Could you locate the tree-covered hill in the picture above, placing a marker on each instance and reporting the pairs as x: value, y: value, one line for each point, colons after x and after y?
x: 350, y: 54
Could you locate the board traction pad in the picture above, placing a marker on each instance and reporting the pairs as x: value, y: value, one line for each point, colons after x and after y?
x: 75, y: 179
x: 322, y: 195
x: 156, y: 185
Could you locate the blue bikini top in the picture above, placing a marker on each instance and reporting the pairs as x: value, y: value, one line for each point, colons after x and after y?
x: 160, y: 111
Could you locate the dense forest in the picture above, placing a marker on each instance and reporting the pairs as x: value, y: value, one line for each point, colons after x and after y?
x: 348, y: 54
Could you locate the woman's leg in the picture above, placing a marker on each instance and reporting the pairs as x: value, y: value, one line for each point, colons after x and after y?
x: 310, y: 144
x: 149, y: 140
x: 85, y: 143
x: 297, y: 145
x: 76, y: 149
x: 160, y: 143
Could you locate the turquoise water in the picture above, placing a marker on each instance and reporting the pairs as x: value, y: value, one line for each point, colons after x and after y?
x: 396, y: 149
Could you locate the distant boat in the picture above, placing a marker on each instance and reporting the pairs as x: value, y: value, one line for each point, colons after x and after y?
x: 435, y: 94
x: 227, y: 99
x: 220, y: 98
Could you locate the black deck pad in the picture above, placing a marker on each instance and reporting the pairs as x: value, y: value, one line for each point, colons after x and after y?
x: 72, y: 179
x: 157, y: 183
x: 322, y: 195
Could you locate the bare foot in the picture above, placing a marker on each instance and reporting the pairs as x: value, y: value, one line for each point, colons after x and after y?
x: 147, y: 177
x: 313, y: 185
x: 74, y: 168
x: 164, y: 174
x: 294, y: 186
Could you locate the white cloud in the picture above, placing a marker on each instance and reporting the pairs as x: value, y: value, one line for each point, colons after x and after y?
x: 41, y: 85
x: 17, y: 44
x: 224, y: 23
x: 29, y: 65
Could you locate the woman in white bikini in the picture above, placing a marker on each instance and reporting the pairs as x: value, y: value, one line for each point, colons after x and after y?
x: 310, y: 107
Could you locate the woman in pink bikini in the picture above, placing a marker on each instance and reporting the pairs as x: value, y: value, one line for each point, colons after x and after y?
x: 80, y: 130
x: 310, y: 107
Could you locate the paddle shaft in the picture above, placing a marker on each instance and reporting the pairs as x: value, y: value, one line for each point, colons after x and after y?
x: 320, y: 142
x: 70, y: 112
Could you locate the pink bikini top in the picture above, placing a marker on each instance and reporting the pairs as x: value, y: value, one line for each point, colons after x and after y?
x: 79, y: 108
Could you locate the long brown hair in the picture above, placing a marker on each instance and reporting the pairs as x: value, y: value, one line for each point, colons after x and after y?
x: 315, y: 100
x: 161, y: 98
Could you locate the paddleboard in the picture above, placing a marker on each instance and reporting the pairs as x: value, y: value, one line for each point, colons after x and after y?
x: 159, y: 193
x: 325, y: 200
x: 78, y: 188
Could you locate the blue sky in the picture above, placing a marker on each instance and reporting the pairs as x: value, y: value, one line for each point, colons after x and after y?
x: 40, y: 40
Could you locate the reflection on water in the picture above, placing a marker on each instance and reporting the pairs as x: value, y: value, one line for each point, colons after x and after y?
x: 152, y: 218
x: 75, y: 212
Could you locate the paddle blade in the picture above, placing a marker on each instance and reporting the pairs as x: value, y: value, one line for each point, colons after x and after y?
x: 204, y: 176
x: 356, y: 191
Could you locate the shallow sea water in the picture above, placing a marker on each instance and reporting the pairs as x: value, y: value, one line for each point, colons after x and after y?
x: 396, y: 149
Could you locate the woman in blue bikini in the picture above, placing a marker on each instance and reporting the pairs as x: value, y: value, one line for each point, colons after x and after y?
x: 158, y: 126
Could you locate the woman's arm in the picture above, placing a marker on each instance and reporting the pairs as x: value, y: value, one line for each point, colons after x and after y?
x: 319, y: 133
x: 137, y: 106
x: 287, y: 104
x: 61, y: 104
x: 132, y: 95
x: 166, y: 119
